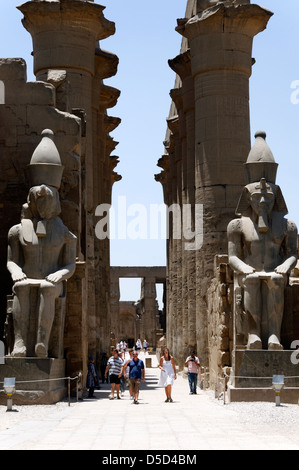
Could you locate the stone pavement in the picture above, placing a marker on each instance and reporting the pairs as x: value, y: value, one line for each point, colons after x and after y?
x: 192, y: 422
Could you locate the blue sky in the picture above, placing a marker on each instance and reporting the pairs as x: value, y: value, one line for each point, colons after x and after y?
x: 144, y: 41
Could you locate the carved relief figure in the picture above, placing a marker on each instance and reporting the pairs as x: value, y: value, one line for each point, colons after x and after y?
x: 262, y: 249
x: 41, y: 250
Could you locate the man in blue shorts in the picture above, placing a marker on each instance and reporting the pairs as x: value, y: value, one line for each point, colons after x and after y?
x: 136, y: 374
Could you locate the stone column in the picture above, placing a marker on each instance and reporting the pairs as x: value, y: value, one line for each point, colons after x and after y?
x: 172, y: 266
x: 174, y: 126
x: 182, y: 66
x: 164, y: 178
x: 114, y: 305
x: 106, y: 65
x: 65, y: 34
x: 179, y: 130
x: 149, y: 311
x: 220, y: 41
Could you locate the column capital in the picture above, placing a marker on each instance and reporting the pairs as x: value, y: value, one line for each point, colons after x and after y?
x: 163, y: 162
x: 59, y: 14
x: 169, y: 144
x: 177, y: 97
x: 181, y: 64
x: 111, y: 123
x: 65, y: 32
x: 113, y: 161
x: 220, y: 37
x: 173, y: 124
x: 111, y: 145
x: 108, y: 96
x: 106, y: 64
x: 222, y: 18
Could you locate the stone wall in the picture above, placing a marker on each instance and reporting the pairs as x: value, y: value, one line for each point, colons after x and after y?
x: 28, y: 108
x: 149, y: 320
x: 128, y: 321
x: 220, y: 319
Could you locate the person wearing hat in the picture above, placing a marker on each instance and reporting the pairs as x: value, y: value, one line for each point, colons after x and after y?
x: 193, y: 364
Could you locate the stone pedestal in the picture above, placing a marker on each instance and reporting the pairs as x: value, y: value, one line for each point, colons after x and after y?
x: 253, y: 372
x: 35, y: 380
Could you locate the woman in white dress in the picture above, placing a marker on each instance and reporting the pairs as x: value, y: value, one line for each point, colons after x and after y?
x: 168, y: 373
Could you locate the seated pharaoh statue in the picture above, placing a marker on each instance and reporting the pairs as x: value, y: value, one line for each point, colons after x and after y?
x: 41, y: 250
x: 262, y: 248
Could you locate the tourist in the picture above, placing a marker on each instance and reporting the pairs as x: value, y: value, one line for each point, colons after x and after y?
x: 138, y: 345
x: 168, y: 374
x: 136, y: 374
x: 122, y: 384
x: 92, y: 377
x: 126, y: 375
x: 103, y: 366
x: 193, y: 364
x: 145, y: 346
x: 115, y: 368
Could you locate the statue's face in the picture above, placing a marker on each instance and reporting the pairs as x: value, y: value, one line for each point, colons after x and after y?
x: 262, y: 201
x: 43, y: 202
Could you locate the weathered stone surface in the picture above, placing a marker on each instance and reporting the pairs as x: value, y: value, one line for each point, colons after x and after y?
x: 36, y: 380
x: 70, y: 67
x: 263, y: 265
x: 262, y: 248
x: 214, y: 66
x: 141, y: 319
x: 220, y: 318
x: 41, y: 256
x: 20, y: 135
x: 251, y: 379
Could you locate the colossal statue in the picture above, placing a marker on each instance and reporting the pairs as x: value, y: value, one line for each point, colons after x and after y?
x: 41, y: 250
x: 262, y: 248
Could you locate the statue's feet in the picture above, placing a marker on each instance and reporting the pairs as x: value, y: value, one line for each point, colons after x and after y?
x: 274, y: 344
x: 41, y: 350
x: 254, y: 342
x: 19, y: 349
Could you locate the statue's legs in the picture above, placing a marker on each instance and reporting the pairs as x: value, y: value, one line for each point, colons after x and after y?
x: 21, y: 309
x: 275, y: 305
x: 253, y: 309
x: 48, y: 294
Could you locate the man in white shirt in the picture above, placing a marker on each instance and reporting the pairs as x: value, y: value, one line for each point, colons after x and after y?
x: 115, y: 367
x: 193, y: 364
